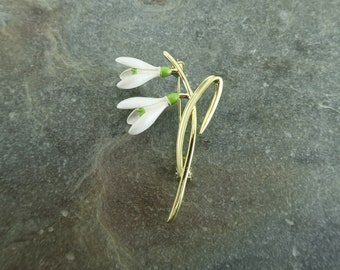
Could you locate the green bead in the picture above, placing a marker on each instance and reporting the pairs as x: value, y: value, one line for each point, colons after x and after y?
x: 165, y: 71
x: 141, y: 111
x: 172, y: 98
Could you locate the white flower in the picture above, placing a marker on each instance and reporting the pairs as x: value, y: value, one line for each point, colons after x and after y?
x: 146, y: 110
x: 139, y: 72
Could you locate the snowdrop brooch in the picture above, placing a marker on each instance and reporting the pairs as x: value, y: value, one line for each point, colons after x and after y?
x: 146, y: 110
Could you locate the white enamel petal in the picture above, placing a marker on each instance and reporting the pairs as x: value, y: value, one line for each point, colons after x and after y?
x: 134, y: 63
x: 128, y: 72
x: 133, y: 117
x: 136, y: 102
x: 152, y: 112
x: 134, y: 81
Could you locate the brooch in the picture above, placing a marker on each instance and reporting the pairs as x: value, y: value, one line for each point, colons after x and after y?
x: 146, y: 110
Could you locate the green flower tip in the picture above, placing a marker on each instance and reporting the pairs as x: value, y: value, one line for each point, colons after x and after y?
x: 133, y: 71
x: 165, y: 71
x: 141, y: 111
x: 172, y: 98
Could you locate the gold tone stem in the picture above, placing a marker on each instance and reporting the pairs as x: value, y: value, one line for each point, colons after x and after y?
x: 178, y: 68
x: 179, y: 71
x: 184, y: 177
x: 179, y: 106
x: 189, y: 112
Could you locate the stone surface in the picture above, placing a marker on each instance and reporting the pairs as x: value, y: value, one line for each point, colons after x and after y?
x: 77, y: 192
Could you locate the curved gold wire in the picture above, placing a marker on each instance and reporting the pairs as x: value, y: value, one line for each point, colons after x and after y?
x: 214, y: 101
x: 189, y: 112
x: 191, y: 107
x: 184, y: 173
x: 178, y: 69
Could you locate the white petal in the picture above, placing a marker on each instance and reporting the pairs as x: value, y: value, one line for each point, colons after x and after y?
x: 134, y: 63
x: 133, y: 117
x: 136, y: 80
x: 128, y: 72
x: 152, y: 112
x: 136, y: 102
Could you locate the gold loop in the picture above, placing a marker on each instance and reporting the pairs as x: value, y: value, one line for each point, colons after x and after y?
x: 214, y: 101
x: 190, y: 111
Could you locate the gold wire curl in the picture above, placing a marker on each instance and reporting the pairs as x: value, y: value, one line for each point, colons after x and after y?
x: 184, y: 164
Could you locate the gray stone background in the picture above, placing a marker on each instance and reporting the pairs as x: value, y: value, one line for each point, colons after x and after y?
x: 77, y: 192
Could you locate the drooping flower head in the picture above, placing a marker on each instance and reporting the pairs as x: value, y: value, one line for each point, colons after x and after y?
x: 139, y: 72
x: 146, y: 110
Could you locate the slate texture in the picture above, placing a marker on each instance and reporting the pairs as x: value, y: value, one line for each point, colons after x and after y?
x: 77, y: 192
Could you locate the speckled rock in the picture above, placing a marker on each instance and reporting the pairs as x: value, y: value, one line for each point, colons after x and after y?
x: 77, y: 192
